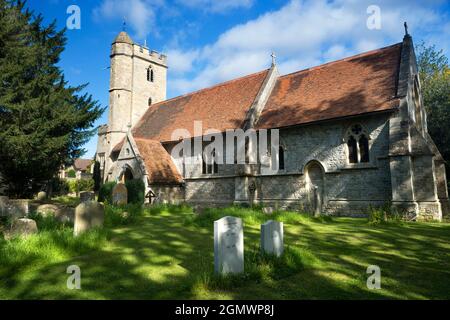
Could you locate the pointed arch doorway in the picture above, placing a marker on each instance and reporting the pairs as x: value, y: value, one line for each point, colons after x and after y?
x: 126, y: 175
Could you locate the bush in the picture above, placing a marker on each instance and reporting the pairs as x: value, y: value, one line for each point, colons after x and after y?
x: 97, y: 176
x: 76, y: 186
x: 105, y: 192
x: 71, y: 174
x: 136, y: 191
x: 85, y: 185
x: 383, y: 214
x: 59, y: 186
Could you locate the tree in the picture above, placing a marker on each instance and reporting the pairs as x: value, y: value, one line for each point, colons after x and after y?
x: 44, y: 121
x: 434, y: 75
x: 97, y: 176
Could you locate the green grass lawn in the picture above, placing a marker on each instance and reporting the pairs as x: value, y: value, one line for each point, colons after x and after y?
x: 167, y: 253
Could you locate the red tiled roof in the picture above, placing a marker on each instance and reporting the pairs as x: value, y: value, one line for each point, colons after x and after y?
x: 82, y: 164
x: 360, y: 84
x: 356, y: 85
x: 158, y: 162
x: 220, y: 107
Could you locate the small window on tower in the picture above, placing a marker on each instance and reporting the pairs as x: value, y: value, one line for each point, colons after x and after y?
x: 149, y: 102
x: 150, y: 74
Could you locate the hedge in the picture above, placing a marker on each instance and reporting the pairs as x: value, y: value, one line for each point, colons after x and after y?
x: 136, y: 191
x: 105, y: 192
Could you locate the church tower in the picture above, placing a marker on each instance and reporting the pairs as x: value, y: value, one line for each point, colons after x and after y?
x: 138, y: 80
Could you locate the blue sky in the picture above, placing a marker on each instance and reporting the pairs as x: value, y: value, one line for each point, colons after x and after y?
x: 210, y: 41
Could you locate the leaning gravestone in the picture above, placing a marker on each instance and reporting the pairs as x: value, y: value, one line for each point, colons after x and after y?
x: 87, y: 196
x: 21, y: 228
x: 228, y: 245
x: 89, y: 214
x: 272, y: 237
x: 120, y: 194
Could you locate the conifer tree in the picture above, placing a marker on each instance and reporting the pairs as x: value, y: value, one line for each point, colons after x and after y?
x: 43, y: 121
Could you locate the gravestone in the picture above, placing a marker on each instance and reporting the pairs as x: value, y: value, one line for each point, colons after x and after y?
x: 89, y: 214
x: 228, y: 245
x: 87, y: 196
x: 268, y: 210
x: 62, y: 213
x: 272, y: 237
x: 18, y: 208
x: 41, y: 196
x: 120, y: 194
x: 3, y: 205
x: 21, y: 228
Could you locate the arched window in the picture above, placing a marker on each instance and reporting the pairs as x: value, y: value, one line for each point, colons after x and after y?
x: 352, y: 150
x: 149, y: 102
x: 363, y: 145
x: 209, y: 166
x: 280, y: 158
x: 357, y: 144
x: 150, y: 74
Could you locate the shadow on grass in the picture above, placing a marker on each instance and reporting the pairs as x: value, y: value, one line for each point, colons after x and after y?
x: 161, y: 256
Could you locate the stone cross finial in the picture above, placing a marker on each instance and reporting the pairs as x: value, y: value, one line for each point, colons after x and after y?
x: 273, y: 58
x: 406, y: 28
x: 124, y: 24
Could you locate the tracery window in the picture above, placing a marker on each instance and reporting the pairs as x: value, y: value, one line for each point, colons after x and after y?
x: 357, y: 144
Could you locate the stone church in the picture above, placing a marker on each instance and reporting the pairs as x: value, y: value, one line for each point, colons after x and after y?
x: 352, y: 133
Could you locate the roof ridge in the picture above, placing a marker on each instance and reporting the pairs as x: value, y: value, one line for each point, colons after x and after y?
x: 211, y: 87
x: 358, y: 55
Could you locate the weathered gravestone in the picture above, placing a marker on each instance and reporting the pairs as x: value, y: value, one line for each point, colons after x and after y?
x: 87, y: 196
x: 21, y: 228
x: 120, y: 194
x: 228, y: 245
x: 3, y: 205
x: 272, y: 237
x: 18, y: 208
x: 89, y: 214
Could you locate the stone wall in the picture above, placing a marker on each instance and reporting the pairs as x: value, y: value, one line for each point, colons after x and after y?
x: 218, y: 191
x: 348, y: 188
x: 168, y: 194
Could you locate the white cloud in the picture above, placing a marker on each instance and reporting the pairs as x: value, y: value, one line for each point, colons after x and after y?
x: 302, y: 34
x: 181, y: 61
x: 217, y: 6
x: 138, y: 14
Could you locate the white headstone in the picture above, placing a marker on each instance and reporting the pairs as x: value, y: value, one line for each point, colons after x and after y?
x: 228, y: 245
x: 272, y: 237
